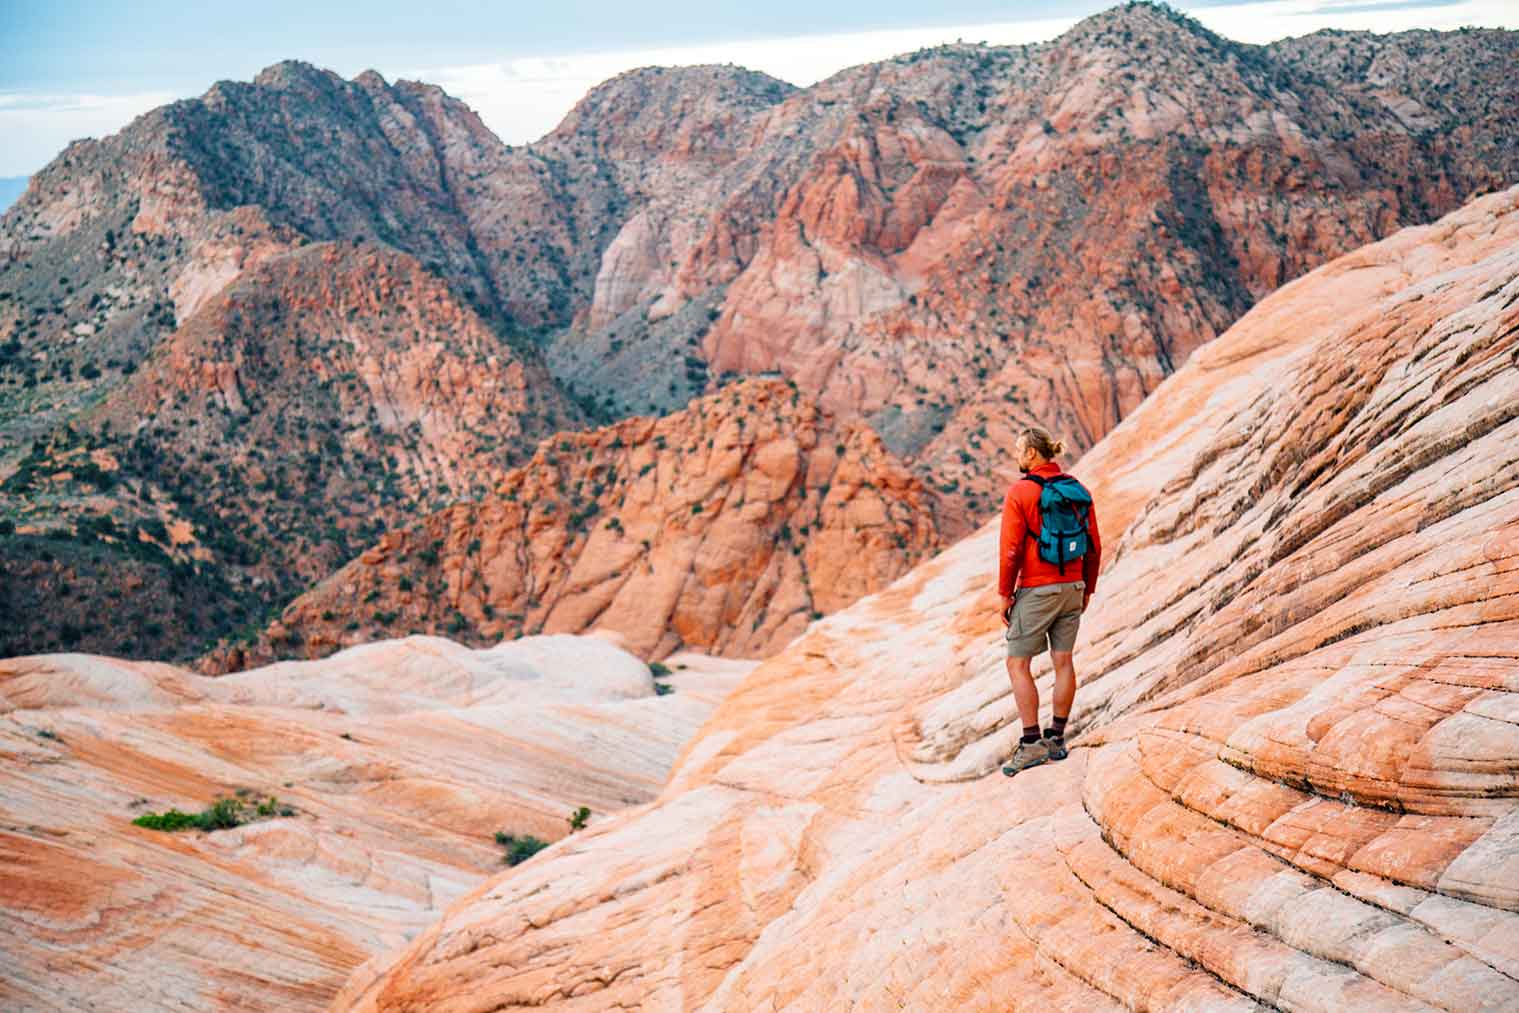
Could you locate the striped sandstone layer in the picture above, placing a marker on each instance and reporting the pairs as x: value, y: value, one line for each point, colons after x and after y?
x: 400, y: 761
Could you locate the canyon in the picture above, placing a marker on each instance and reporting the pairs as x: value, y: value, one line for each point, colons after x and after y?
x: 416, y: 498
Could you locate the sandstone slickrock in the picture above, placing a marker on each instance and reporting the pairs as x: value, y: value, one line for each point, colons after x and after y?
x: 1295, y: 773
x: 727, y: 528
x: 400, y: 760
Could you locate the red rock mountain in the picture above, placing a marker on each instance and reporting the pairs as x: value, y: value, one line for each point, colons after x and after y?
x: 304, y: 309
x: 966, y: 239
x: 945, y: 245
x: 727, y: 527
x: 320, y: 397
x: 1294, y: 781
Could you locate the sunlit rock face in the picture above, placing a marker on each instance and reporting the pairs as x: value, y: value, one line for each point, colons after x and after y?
x: 393, y: 766
x: 1296, y: 751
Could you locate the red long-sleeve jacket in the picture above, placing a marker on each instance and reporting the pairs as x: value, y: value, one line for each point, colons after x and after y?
x: 1018, y: 547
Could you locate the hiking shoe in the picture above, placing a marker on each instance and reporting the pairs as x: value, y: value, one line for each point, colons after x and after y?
x: 1028, y: 754
x: 1056, y: 745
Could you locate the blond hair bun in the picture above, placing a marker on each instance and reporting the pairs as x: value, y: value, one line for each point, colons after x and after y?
x: 1042, y: 443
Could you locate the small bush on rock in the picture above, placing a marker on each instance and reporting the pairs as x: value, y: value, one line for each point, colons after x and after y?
x: 519, y: 849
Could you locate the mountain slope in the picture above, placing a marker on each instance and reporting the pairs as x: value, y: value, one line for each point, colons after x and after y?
x: 1295, y: 771
x: 946, y: 246
x: 179, y: 260
x: 320, y: 397
x: 966, y: 239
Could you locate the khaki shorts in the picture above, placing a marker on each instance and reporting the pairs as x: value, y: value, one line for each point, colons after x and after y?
x: 1048, y: 612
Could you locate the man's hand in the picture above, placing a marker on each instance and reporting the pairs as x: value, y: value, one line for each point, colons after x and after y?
x: 1007, y: 610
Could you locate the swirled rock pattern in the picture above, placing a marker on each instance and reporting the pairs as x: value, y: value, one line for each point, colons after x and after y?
x: 399, y: 761
x: 1295, y: 774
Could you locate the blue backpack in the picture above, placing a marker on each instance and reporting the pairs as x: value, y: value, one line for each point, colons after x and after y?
x: 1064, y: 505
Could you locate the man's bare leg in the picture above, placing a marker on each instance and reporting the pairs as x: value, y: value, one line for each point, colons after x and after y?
x: 1065, y: 685
x: 1032, y: 750
x: 1026, y: 693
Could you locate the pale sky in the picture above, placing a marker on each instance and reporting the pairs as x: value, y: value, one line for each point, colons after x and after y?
x: 86, y: 69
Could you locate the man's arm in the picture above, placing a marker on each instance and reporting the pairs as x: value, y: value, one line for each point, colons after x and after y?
x: 1009, y: 548
x: 1091, y: 563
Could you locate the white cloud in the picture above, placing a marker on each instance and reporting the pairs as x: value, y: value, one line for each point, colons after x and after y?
x: 36, y: 126
x: 523, y: 99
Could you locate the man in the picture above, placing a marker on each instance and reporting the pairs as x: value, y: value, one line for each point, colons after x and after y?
x: 1046, y: 607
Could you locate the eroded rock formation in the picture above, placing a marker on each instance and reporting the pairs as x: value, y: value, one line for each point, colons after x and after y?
x: 1295, y: 780
x: 319, y: 397
x: 398, y: 760
x: 727, y: 528
x: 966, y: 239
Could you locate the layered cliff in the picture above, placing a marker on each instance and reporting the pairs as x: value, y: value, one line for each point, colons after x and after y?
x: 1295, y: 773
x: 727, y: 527
x: 385, y: 771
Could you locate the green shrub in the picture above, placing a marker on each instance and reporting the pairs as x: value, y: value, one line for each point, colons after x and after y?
x: 171, y: 820
x: 223, y: 814
x: 519, y: 849
x: 578, y: 818
x: 658, y: 669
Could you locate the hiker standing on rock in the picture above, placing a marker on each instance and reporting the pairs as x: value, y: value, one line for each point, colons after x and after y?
x: 1049, y: 552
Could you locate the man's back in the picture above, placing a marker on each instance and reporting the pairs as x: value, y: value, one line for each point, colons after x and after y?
x: 1018, y: 546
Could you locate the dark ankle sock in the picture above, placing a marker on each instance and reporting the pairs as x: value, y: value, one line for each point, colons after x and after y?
x: 1056, y: 729
x: 1030, y: 734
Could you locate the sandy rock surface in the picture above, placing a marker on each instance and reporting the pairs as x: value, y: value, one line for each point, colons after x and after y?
x: 400, y: 759
x: 1296, y: 755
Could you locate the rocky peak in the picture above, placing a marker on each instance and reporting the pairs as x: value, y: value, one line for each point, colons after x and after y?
x: 1140, y: 21
x: 371, y: 81
x: 292, y: 75
x: 654, y: 114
